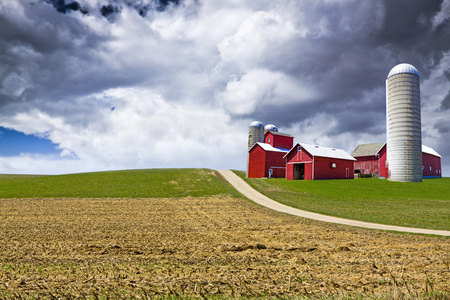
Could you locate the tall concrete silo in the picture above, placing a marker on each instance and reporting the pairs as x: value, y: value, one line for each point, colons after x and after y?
x: 404, y: 132
x: 255, y: 135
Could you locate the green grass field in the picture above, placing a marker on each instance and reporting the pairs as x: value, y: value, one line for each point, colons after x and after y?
x: 424, y: 205
x: 150, y: 183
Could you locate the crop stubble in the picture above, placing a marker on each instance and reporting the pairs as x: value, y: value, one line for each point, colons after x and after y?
x: 200, y: 247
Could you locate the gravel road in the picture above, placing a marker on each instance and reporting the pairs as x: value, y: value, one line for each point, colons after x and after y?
x: 260, y: 199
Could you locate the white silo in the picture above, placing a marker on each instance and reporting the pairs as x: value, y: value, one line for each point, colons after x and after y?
x: 255, y: 135
x: 404, y: 132
x: 271, y: 127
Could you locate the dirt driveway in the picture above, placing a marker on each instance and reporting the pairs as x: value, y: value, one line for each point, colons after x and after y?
x: 259, y: 198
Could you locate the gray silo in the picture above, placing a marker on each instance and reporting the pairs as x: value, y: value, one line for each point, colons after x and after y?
x: 404, y: 132
x: 255, y: 135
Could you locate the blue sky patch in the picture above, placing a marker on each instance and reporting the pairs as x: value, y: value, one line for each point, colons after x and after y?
x: 13, y: 143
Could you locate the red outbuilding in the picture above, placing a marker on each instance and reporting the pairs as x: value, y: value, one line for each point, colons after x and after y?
x: 279, y: 140
x: 266, y: 160
x: 431, y: 163
x: 371, y: 161
x: 311, y: 162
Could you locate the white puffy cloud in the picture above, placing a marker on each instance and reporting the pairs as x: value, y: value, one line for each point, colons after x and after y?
x: 264, y: 38
x: 139, y: 130
x: 259, y: 89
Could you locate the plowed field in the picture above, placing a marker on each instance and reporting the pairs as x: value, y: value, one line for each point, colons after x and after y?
x: 219, y: 247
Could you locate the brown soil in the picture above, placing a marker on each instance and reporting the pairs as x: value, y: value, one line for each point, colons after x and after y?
x: 204, y: 247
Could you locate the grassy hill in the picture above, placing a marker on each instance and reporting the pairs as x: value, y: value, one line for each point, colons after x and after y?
x: 424, y: 205
x: 150, y: 183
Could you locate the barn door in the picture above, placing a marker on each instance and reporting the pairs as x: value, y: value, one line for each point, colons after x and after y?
x: 299, y: 171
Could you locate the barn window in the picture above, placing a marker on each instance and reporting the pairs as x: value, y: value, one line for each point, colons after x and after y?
x: 269, y: 140
x: 299, y: 148
x: 430, y: 168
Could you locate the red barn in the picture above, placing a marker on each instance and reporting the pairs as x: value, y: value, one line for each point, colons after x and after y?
x: 431, y: 163
x: 279, y: 140
x: 310, y: 162
x: 266, y: 160
x: 371, y: 161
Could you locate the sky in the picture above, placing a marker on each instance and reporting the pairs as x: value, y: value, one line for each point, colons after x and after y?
x: 92, y: 85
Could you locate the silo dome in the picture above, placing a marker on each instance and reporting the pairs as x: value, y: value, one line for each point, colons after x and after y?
x: 256, y: 124
x: 271, y: 127
x: 403, y: 68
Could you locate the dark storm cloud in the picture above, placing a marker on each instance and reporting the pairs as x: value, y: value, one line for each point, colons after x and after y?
x: 445, y: 104
x: 443, y: 127
x: 108, y: 11
x: 354, y: 58
x: 62, y: 7
x: 443, y: 148
x: 115, y: 6
x: 409, y: 34
x: 49, y: 53
x: 44, y: 52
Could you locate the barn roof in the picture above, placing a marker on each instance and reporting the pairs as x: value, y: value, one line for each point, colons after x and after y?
x: 367, y: 149
x: 373, y: 149
x: 323, y: 151
x: 277, y: 133
x: 426, y: 149
x: 268, y: 147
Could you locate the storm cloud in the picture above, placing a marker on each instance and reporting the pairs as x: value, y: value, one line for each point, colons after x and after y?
x: 127, y: 84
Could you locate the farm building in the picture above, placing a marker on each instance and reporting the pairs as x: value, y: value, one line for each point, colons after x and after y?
x: 431, y: 163
x: 310, y: 162
x: 371, y: 161
x: 266, y: 160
